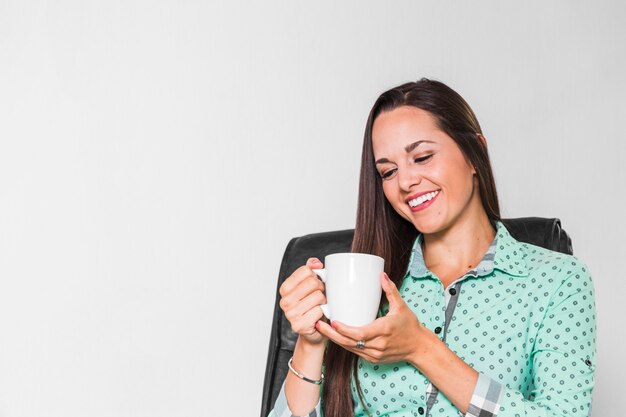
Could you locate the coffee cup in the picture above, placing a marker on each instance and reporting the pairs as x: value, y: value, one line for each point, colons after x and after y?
x: 353, y: 287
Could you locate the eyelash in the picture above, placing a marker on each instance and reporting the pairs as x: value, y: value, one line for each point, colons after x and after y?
x: 389, y: 173
x: 422, y: 159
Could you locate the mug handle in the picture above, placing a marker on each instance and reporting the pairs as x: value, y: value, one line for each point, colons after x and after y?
x: 321, y: 273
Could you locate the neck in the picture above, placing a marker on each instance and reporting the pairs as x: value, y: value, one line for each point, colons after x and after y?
x: 461, y: 246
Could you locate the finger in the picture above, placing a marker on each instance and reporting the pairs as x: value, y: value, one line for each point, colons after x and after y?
x: 300, y: 275
x: 367, y: 353
x: 391, y: 291
x: 304, y: 289
x: 306, y: 323
x: 294, y: 279
x: 314, y: 263
x: 332, y: 334
x: 375, y: 334
x: 312, y: 300
x: 378, y: 344
x: 367, y: 332
x: 313, y: 315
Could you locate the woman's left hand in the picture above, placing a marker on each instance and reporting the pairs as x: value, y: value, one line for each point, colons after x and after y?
x: 398, y: 336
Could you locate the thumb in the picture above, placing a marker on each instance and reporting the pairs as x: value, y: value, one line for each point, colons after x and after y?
x: 393, y: 296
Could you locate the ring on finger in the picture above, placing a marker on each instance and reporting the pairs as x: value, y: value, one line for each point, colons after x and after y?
x: 360, y: 344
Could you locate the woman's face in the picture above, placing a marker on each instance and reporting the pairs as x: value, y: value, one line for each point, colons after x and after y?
x: 424, y: 174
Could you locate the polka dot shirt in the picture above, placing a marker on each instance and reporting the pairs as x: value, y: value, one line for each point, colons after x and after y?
x: 524, y: 318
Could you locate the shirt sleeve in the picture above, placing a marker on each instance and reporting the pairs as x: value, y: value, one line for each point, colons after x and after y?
x: 281, y: 408
x: 562, y: 358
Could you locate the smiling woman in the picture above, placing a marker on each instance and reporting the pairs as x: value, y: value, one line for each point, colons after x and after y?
x: 423, y: 173
x: 473, y: 321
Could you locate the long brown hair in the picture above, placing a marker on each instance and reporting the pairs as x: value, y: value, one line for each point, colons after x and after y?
x: 381, y: 231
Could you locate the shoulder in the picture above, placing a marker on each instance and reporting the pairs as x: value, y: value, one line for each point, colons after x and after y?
x: 556, y: 268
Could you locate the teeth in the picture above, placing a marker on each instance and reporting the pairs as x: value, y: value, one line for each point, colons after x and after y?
x: 423, y: 198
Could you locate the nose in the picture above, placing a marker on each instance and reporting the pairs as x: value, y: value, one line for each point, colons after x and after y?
x: 407, y: 178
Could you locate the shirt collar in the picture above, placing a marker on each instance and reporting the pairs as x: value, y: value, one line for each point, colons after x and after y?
x: 504, y: 254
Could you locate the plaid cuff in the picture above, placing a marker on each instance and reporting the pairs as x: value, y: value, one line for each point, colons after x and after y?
x: 485, y: 400
x: 281, y: 408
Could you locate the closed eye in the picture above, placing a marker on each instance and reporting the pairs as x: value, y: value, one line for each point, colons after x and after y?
x: 388, y: 174
x: 422, y: 159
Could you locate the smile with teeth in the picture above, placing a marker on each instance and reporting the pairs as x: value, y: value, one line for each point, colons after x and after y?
x: 422, y: 199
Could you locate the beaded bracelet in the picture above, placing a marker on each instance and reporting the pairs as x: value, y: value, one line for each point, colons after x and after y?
x: 299, y: 375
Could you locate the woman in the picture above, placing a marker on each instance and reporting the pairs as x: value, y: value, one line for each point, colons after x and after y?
x: 473, y: 321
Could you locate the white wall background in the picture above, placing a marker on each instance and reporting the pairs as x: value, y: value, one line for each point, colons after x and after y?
x: 157, y: 156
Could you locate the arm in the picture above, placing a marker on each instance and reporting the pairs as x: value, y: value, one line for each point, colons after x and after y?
x: 307, y: 359
x: 311, y: 357
x: 563, y: 356
x: 301, y: 295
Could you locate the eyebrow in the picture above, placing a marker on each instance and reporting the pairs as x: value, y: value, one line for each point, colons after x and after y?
x: 407, y: 149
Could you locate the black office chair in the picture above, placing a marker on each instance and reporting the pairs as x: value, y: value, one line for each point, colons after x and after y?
x: 539, y: 231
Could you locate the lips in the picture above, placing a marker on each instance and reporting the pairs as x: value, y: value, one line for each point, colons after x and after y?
x: 421, y: 201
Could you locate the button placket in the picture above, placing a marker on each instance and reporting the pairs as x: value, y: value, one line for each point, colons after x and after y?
x: 439, y: 308
x: 451, y: 297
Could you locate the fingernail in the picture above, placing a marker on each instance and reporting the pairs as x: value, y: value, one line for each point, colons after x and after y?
x: 386, y: 276
x: 333, y: 325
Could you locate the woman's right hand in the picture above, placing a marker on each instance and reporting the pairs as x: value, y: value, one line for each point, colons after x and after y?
x: 301, y: 296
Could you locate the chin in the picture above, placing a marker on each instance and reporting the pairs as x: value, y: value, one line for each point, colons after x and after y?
x: 430, y: 225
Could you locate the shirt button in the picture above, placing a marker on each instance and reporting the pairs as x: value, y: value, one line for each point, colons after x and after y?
x: 437, y: 330
x: 452, y: 291
x: 420, y: 410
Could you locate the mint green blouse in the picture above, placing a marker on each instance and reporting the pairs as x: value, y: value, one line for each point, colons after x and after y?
x: 524, y: 318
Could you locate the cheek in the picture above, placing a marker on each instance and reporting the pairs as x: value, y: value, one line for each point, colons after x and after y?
x: 388, y: 191
x: 391, y: 194
x: 459, y: 179
x: 462, y: 189
x: 398, y: 206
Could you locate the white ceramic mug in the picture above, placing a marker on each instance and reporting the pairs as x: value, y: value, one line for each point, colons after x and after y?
x: 353, y: 287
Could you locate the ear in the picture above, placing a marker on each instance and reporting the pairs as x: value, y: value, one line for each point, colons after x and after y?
x: 484, y: 141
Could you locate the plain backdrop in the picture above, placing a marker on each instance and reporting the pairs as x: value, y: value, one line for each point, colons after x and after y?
x: 157, y: 156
